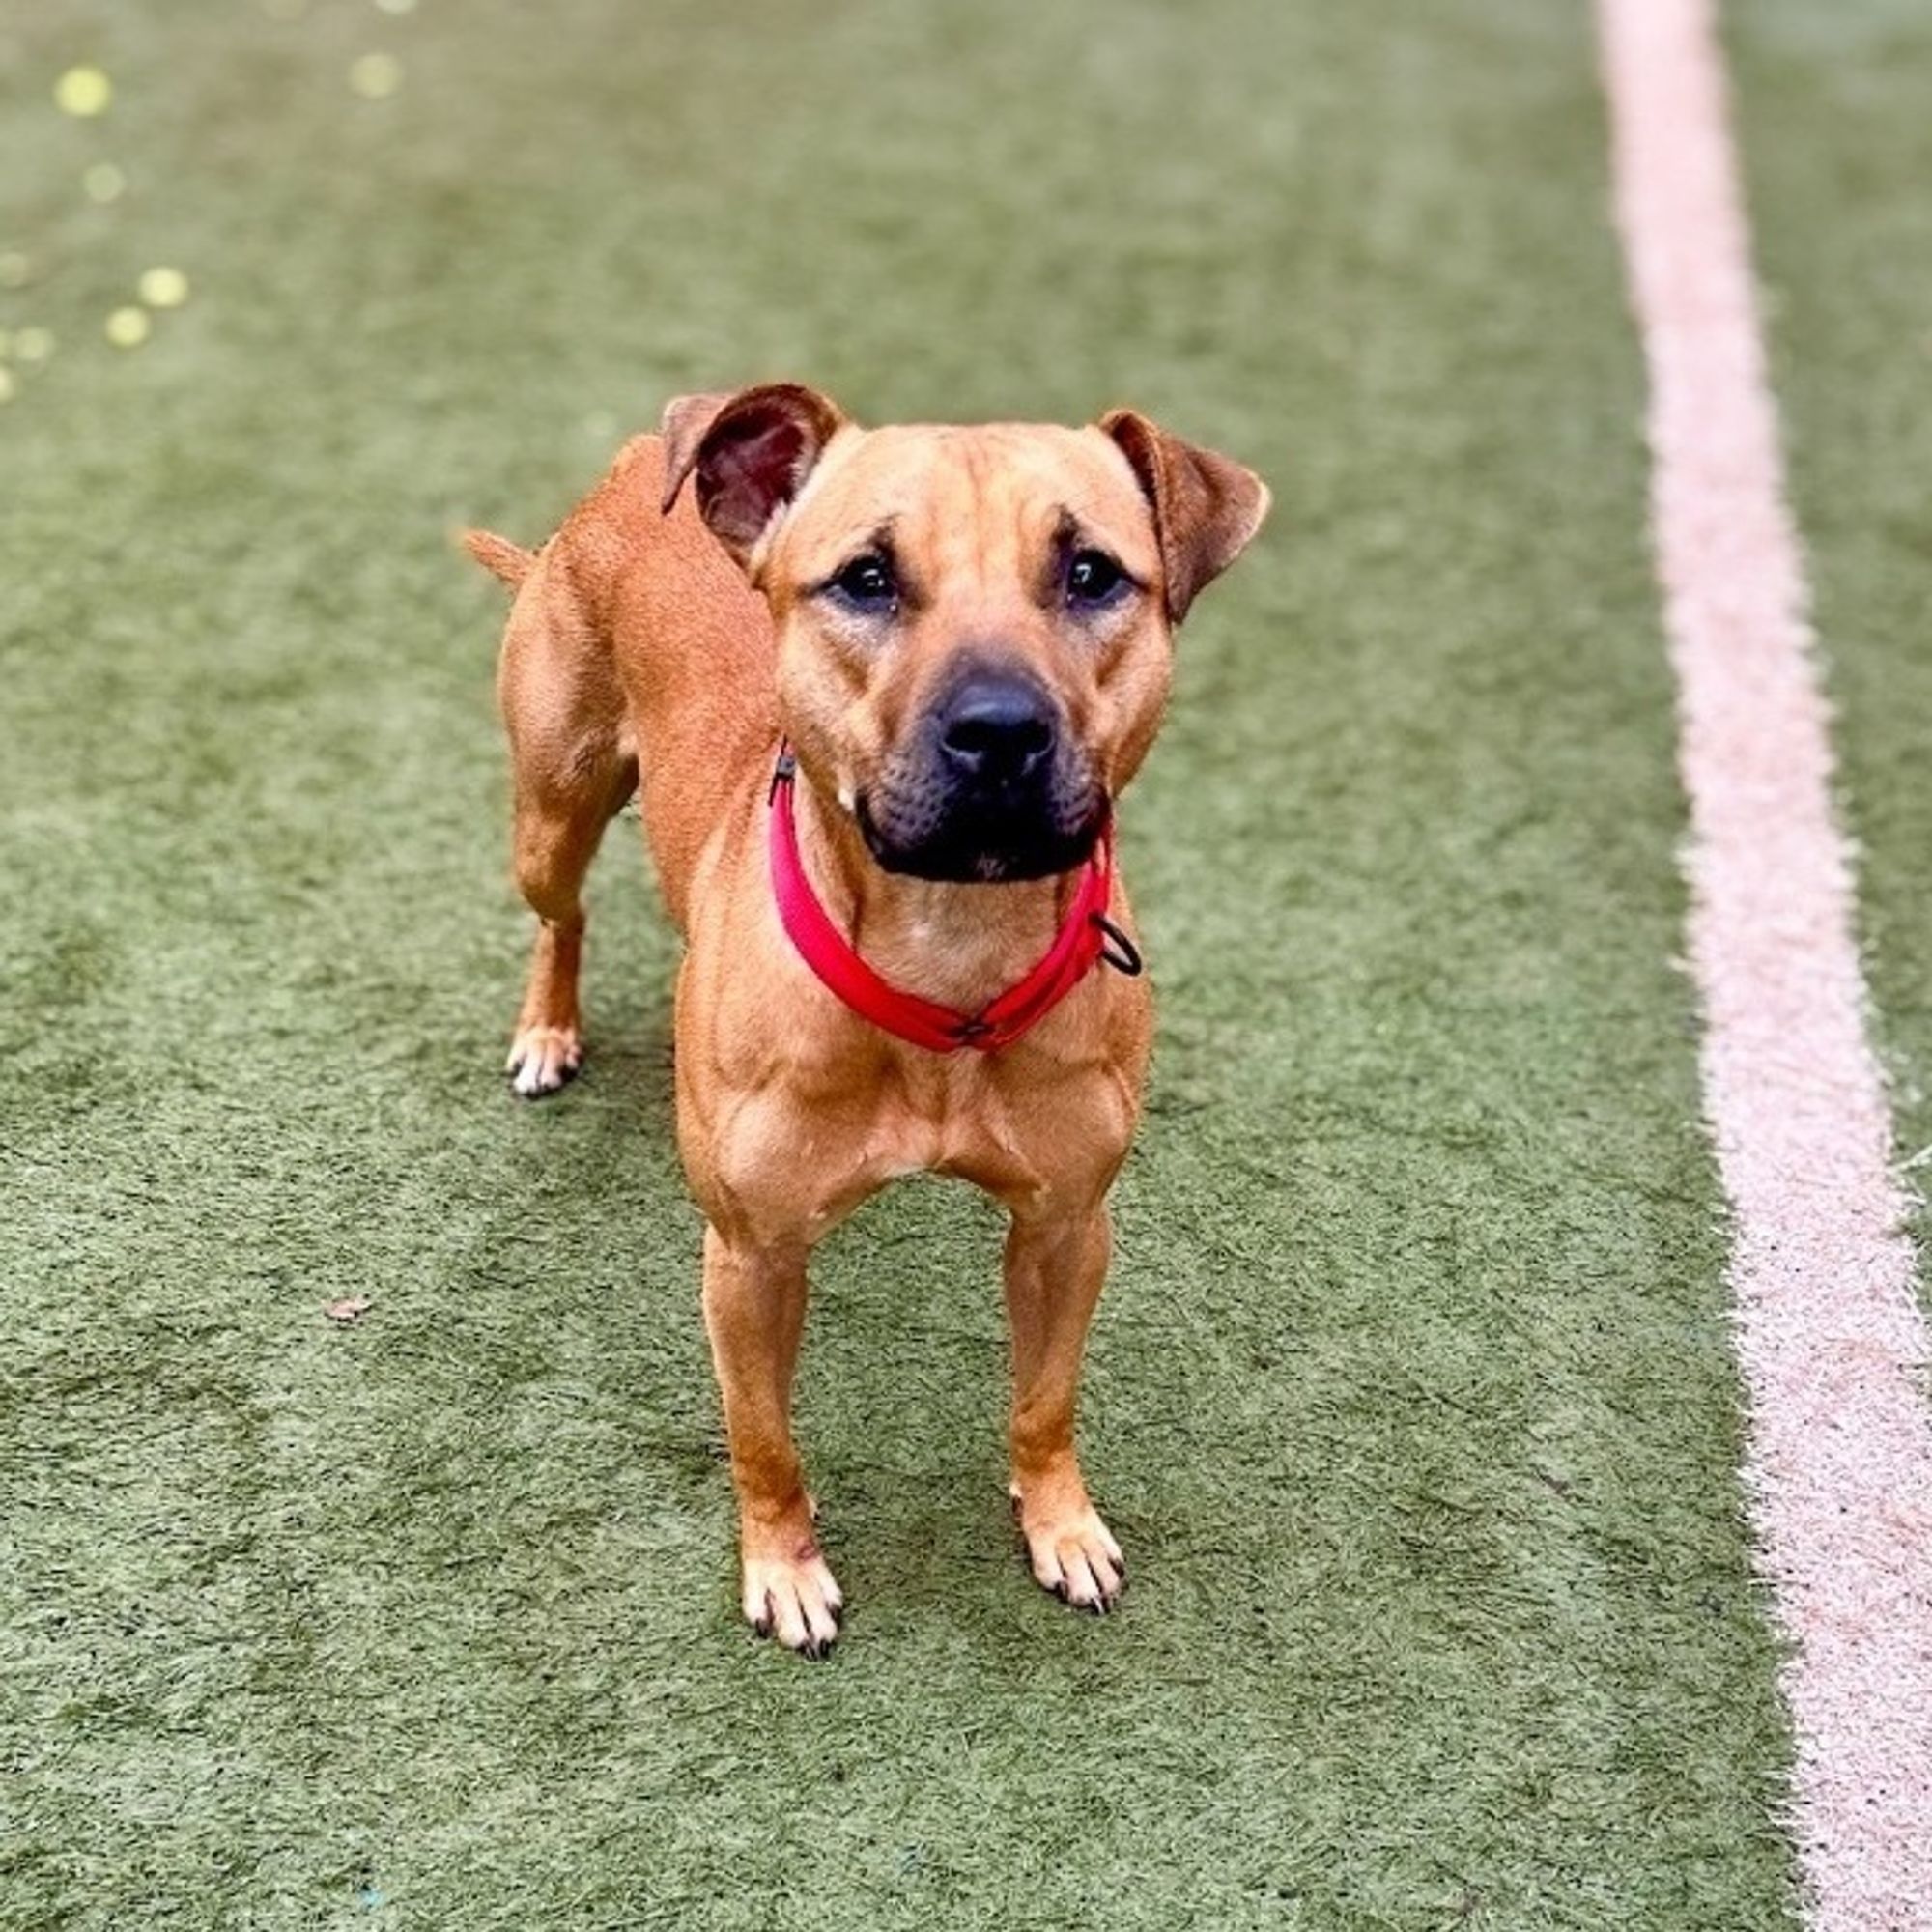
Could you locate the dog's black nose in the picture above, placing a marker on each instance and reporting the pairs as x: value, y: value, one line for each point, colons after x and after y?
x: 997, y: 729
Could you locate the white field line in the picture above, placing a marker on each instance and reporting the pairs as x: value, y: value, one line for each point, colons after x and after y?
x: 1838, y: 1468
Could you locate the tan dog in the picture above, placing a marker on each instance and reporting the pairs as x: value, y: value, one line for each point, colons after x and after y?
x: 965, y: 634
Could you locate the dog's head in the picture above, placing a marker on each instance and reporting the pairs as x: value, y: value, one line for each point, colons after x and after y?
x: 973, y: 624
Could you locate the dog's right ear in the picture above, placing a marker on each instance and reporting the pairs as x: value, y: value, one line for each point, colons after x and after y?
x: 749, y: 454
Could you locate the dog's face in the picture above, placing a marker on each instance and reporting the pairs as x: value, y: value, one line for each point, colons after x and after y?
x: 973, y: 624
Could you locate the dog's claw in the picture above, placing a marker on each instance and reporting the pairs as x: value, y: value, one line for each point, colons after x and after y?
x: 1075, y: 1558
x: 794, y: 1600
x: 543, y: 1059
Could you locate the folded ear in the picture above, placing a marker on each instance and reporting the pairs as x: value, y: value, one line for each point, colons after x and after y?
x: 1205, y: 507
x: 751, y: 453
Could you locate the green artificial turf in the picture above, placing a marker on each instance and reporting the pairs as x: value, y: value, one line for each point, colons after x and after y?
x: 1411, y: 1397
x: 1839, y: 143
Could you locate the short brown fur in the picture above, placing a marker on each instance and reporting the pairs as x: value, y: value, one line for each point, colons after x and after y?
x: 660, y: 643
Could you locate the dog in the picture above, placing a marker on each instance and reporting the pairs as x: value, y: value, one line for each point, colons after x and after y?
x: 878, y: 692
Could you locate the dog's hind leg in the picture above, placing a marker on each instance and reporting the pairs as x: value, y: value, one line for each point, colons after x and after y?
x: 557, y: 838
x: 573, y: 767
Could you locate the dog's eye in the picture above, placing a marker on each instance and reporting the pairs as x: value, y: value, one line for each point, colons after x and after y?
x: 1093, y: 578
x: 867, y: 583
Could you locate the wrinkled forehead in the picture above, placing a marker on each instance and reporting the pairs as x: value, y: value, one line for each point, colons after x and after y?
x: 991, y: 498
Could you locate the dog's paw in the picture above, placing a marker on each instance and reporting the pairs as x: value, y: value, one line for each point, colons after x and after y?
x: 1073, y: 1553
x: 795, y: 1599
x: 542, y: 1058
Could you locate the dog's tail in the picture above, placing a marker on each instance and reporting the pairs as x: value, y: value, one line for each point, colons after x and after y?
x: 500, y: 555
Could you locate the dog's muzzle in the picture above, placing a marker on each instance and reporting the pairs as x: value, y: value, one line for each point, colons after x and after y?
x: 988, y: 790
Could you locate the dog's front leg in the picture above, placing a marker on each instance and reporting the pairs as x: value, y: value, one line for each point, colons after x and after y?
x: 754, y: 1314
x: 1055, y: 1260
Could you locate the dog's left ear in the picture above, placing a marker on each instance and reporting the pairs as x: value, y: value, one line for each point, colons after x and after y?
x: 751, y: 453
x: 1205, y: 507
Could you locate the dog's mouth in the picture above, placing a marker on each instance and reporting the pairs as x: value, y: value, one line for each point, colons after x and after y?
x: 990, y: 785
x: 987, y: 846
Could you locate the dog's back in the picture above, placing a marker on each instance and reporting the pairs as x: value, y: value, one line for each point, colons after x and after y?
x: 626, y: 619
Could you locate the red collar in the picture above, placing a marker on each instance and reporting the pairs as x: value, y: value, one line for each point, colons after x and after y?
x: 1085, y: 936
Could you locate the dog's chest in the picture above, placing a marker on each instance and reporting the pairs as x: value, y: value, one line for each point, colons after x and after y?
x: 1016, y: 1139
x: 977, y: 1135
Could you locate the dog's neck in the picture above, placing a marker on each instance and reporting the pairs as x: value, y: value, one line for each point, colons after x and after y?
x: 961, y: 945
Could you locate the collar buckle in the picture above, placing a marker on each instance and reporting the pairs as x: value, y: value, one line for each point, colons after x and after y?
x: 1117, y: 948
